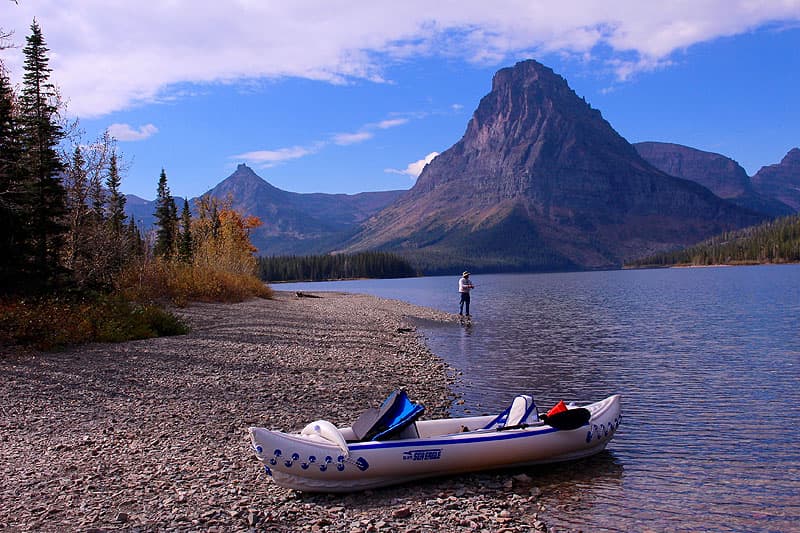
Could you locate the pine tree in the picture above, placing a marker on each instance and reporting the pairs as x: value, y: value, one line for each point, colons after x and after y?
x: 166, y: 219
x: 76, y: 188
x: 12, y: 227
x: 41, y: 134
x: 133, y: 239
x: 116, y: 200
x: 115, y: 220
x: 185, y: 246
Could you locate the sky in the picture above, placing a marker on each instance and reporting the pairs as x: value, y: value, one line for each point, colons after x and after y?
x: 357, y: 95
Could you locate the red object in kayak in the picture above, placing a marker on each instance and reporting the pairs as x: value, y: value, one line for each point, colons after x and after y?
x: 559, y: 408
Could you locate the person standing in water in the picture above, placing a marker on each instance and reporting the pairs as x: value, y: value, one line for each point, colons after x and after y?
x: 464, y: 286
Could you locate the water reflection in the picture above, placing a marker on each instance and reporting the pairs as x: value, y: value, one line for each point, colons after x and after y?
x: 574, y: 494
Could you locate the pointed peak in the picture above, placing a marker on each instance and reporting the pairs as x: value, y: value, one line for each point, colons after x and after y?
x: 792, y: 157
x: 525, y: 72
x: 243, y: 168
x: 243, y: 172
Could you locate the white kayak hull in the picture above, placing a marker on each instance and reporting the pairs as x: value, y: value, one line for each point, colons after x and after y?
x: 316, y: 462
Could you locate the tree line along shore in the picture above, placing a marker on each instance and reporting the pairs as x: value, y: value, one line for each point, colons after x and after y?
x: 773, y: 242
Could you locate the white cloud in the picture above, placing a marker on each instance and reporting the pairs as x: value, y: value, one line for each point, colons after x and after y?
x: 344, y: 139
x: 414, y: 169
x: 269, y: 158
x: 125, y: 132
x: 366, y: 132
x: 109, y: 55
x: 391, y: 123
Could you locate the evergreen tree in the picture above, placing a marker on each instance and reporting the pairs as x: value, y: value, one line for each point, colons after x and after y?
x: 133, y: 239
x: 41, y: 133
x: 76, y: 188
x: 338, y: 266
x: 166, y: 219
x: 12, y: 230
x: 185, y: 245
x: 116, y: 200
x: 115, y: 220
x: 97, y: 197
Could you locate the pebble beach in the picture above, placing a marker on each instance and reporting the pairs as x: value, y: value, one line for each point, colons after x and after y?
x: 151, y: 435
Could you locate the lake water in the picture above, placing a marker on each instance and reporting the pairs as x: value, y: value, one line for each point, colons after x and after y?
x: 708, y: 364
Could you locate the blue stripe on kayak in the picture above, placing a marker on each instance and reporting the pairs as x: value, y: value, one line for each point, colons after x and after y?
x: 500, y: 435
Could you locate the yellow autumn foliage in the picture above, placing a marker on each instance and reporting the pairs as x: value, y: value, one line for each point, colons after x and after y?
x: 223, y: 267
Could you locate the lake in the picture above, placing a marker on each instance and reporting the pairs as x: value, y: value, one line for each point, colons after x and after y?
x: 707, y: 361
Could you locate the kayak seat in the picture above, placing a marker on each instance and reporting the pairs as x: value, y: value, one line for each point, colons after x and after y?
x: 392, y: 420
x: 521, y: 411
x: 569, y: 419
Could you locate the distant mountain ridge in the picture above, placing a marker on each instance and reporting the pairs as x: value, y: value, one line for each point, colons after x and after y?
x: 720, y: 174
x: 540, y: 181
x: 298, y: 223
x: 293, y: 223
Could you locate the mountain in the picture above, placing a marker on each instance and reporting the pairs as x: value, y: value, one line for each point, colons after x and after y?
x: 781, y: 181
x: 294, y: 223
x: 722, y: 175
x: 540, y: 181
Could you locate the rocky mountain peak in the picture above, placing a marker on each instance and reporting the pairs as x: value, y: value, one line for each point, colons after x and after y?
x: 532, y: 106
x: 525, y: 135
x: 525, y: 73
x: 540, y: 181
x: 781, y: 181
x: 243, y: 172
x: 248, y: 187
x: 792, y: 157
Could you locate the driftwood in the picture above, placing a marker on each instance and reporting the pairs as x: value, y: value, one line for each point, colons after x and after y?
x: 301, y: 294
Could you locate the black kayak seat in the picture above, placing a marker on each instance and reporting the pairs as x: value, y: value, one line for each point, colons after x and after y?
x: 393, y: 419
x: 569, y: 419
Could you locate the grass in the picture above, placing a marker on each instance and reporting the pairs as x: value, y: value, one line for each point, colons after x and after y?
x: 135, y: 310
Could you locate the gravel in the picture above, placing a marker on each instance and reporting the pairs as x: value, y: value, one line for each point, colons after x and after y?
x: 152, y: 435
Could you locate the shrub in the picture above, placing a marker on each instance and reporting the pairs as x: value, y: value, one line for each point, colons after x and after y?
x: 179, y: 283
x: 58, y: 321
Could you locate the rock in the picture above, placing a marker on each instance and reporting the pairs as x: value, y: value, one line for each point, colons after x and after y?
x: 403, y: 512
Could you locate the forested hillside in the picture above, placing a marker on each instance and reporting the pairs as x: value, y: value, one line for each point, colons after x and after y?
x: 339, y: 266
x: 777, y: 241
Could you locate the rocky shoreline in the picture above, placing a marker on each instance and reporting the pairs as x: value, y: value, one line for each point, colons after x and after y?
x: 152, y: 435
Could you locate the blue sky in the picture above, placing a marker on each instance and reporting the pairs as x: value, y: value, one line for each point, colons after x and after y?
x: 354, y: 98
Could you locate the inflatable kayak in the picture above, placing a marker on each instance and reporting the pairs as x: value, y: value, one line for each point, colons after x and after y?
x: 389, y: 445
